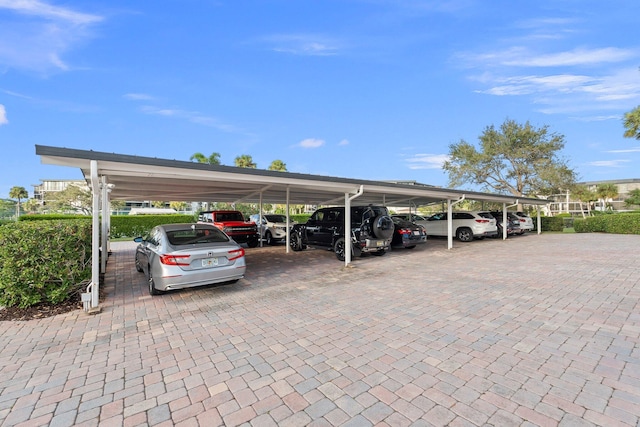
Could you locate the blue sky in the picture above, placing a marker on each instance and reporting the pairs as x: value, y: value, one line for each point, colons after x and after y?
x: 371, y: 89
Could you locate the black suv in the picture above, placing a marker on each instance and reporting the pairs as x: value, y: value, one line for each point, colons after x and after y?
x: 371, y: 230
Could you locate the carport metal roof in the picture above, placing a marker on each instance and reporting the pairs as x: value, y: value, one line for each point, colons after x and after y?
x: 150, y: 178
x: 127, y: 177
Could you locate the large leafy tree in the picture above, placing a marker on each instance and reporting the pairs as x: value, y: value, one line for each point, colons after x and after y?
x: 72, y: 199
x: 632, y: 123
x: 278, y: 165
x: 245, y: 161
x: 634, y: 198
x: 213, y: 159
x: 18, y: 193
x: 515, y: 159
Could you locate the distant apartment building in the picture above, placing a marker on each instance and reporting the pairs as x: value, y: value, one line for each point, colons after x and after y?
x: 565, y: 203
x: 47, y: 187
x: 43, y: 192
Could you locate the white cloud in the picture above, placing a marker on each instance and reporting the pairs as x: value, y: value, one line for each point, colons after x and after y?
x: 629, y: 150
x: 609, y: 163
x: 41, y: 36
x: 344, y: 142
x: 521, y: 56
x: 311, y: 143
x: 139, y: 97
x: 303, y: 44
x: 191, y: 116
x: 566, y: 93
x: 44, y: 10
x: 427, y: 161
x: 3, y: 115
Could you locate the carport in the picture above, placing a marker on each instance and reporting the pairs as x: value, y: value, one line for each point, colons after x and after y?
x: 127, y: 177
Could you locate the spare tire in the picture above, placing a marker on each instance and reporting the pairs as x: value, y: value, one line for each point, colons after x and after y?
x: 382, y: 227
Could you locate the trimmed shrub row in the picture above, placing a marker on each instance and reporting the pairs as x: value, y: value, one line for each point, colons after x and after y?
x: 620, y: 223
x: 137, y: 225
x: 43, y: 261
x: 552, y: 223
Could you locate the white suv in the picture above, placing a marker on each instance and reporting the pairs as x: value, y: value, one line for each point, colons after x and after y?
x: 526, y: 223
x: 273, y: 228
x: 466, y: 225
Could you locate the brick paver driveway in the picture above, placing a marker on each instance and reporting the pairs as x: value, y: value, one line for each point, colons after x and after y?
x: 536, y: 330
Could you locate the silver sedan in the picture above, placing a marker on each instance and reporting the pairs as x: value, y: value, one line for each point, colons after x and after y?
x: 176, y: 256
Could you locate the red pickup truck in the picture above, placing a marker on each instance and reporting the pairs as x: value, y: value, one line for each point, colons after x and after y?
x: 234, y: 224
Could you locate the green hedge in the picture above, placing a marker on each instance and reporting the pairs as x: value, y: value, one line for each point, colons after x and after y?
x: 299, y: 218
x: 552, y: 223
x: 43, y: 261
x: 138, y: 225
x: 619, y: 223
x: 51, y: 217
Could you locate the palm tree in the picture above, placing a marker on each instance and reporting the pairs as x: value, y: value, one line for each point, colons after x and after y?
x: 607, y: 192
x: 278, y: 165
x: 245, y: 161
x: 213, y: 159
x: 582, y: 193
x: 18, y: 193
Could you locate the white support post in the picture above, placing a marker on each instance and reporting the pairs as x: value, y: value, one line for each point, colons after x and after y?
x: 95, y: 236
x: 450, y: 220
x: 288, y: 238
x: 104, y: 230
x: 449, y: 224
x: 347, y: 224
x: 504, y: 221
x: 539, y: 221
x: 260, y: 225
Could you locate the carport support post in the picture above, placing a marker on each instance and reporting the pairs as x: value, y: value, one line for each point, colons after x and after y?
x: 260, y: 220
x: 95, y: 236
x: 504, y: 221
x: 347, y: 224
x: 450, y: 220
x: 539, y: 221
x: 449, y: 224
x: 288, y: 235
x: 104, y: 224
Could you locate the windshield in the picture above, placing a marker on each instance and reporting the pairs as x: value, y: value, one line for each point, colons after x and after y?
x: 229, y: 216
x: 198, y: 235
x: 276, y: 218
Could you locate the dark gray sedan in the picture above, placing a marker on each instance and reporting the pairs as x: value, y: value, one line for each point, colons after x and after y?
x: 176, y: 256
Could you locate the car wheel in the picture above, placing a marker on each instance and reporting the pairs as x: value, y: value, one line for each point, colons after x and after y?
x: 296, y: 242
x: 382, y: 227
x: 138, y: 266
x: 269, y: 238
x: 379, y: 253
x: 152, y: 284
x: 464, y: 234
x: 252, y: 243
x: 339, y: 248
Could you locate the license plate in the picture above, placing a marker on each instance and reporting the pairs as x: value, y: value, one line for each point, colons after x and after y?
x: 416, y: 233
x: 209, y: 262
x: 380, y: 243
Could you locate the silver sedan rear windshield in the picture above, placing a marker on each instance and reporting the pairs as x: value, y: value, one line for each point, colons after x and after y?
x: 195, y: 236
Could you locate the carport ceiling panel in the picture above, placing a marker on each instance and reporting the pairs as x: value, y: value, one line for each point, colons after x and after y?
x: 134, y: 178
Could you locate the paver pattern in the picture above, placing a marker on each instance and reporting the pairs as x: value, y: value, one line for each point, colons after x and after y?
x: 535, y: 330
